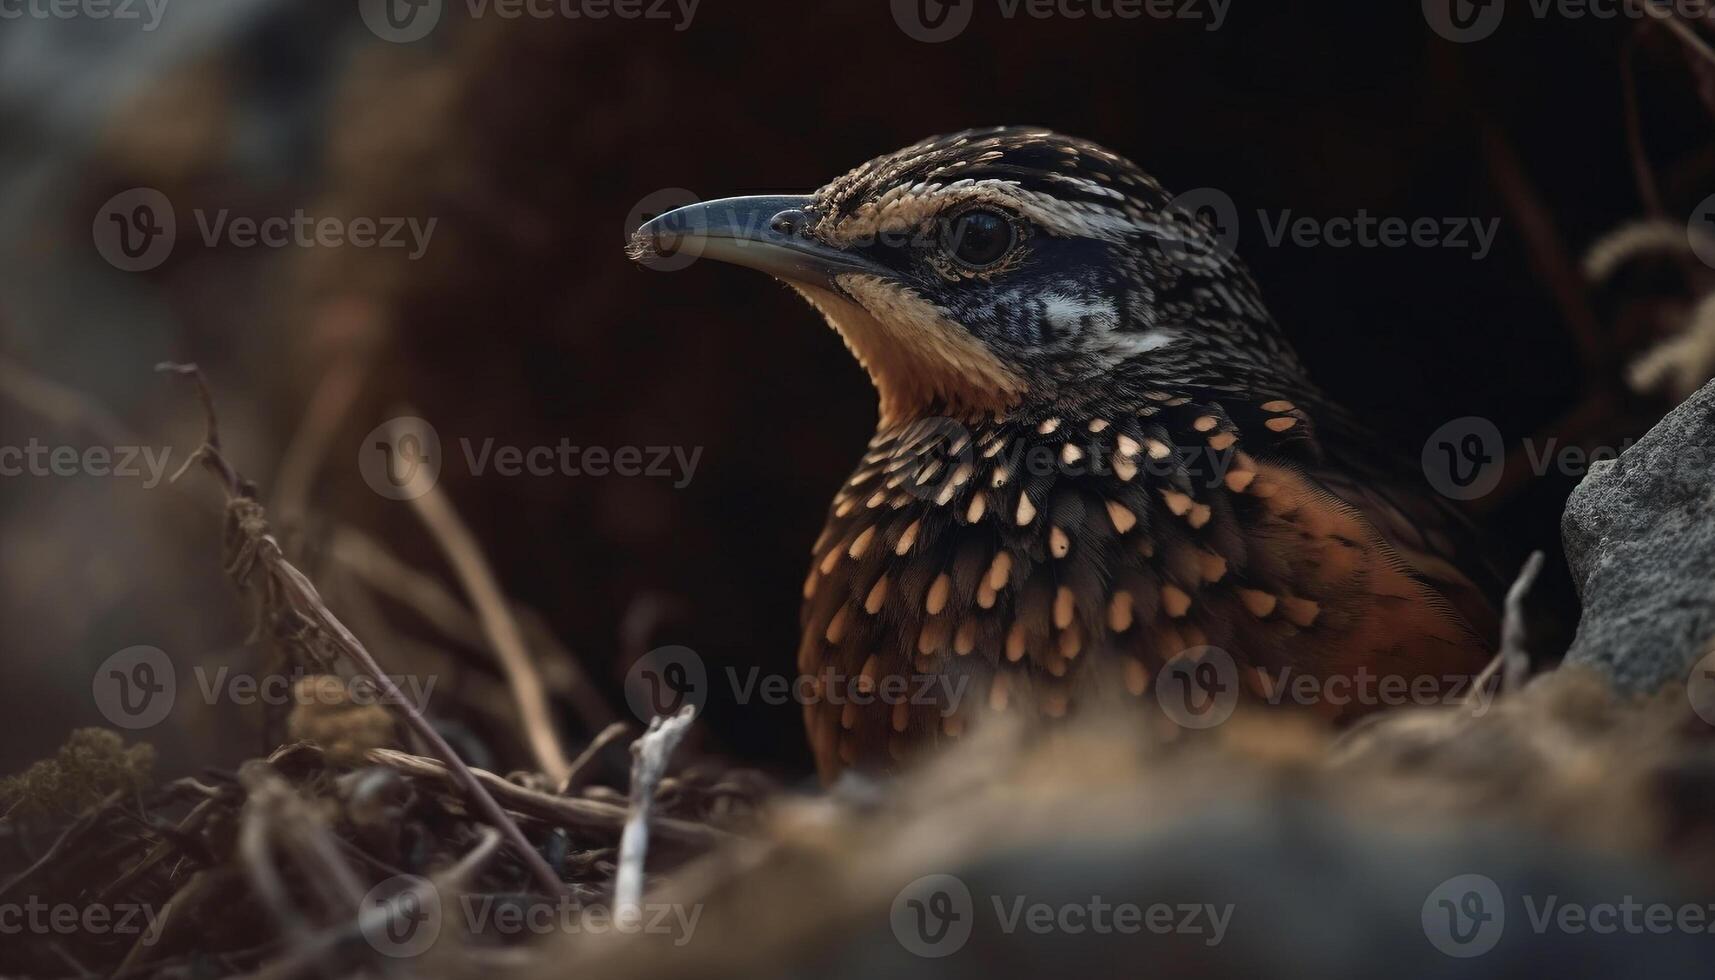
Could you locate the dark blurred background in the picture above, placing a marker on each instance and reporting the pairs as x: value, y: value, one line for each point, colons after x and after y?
x: 533, y: 143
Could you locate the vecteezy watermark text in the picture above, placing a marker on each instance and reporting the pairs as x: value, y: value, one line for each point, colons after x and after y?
x: 1204, y: 225
x: 302, y: 230
x: 669, y: 678
x: 149, y: 12
x: 135, y: 231
x: 1365, y: 230
x: 36, y: 917
x: 280, y: 689
x: 934, y: 915
x: 934, y: 21
x: 36, y: 458
x: 1365, y: 688
x: 403, y: 916
x: 1466, y: 457
x: 404, y: 21
x: 1199, y: 688
x: 402, y: 459
x: 1466, y: 915
x: 1465, y: 21
x: 565, y: 458
x: 137, y: 687
x: 680, y: 12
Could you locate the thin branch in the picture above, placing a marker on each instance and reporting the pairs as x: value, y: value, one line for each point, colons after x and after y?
x: 1549, y: 257
x: 649, y: 757
x: 569, y: 678
x: 293, y: 590
x: 1574, y: 427
x: 383, y: 571
x: 559, y: 810
x: 1515, y: 657
x: 479, y: 689
x: 266, y: 883
x: 1484, y: 676
x: 1643, y: 171
x: 583, y: 767
x: 1665, y: 13
x: 480, y: 585
x: 328, y: 406
x: 182, y: 905
x: 288, y: 821
x: 1512, y: 662
x: 191, y: 824
x: 61, y: 405
x: 378, y: 919
x: 77, y: 827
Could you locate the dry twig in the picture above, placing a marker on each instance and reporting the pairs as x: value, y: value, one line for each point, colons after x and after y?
x: 560, y: 810
x: 1512, y: 662
x: 61, y: 405
x: 649, y: 757
x: 377, y: 567
x: 377, y: 919
x: 459, y: 545
x: 252, y: 547
x: 381, y: 570
x: 328, y: 406
x: 71, y: 833
x: 1515, y: 659
x: 584, y: 765
x: 1666, y: 14
x: 283, y: 818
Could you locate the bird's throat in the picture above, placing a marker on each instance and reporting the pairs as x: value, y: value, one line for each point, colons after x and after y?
x: 920, y: 362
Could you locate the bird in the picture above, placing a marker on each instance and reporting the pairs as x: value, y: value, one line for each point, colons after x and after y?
x: 1099, y: 467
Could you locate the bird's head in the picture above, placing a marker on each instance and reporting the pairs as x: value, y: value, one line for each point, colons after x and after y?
x: 976, y: 272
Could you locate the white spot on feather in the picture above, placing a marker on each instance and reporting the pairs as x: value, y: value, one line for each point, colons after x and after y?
x: 1129, y: 344
x: 1067, y: 313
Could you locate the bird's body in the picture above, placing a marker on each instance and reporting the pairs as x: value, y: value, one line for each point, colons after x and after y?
x: 1042, y: 560
x: 1098, y: 463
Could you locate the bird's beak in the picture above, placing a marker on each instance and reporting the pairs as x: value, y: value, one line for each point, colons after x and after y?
x: 768, y: 233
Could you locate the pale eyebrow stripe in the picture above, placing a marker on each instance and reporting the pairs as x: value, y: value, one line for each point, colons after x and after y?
x: 906, y: 207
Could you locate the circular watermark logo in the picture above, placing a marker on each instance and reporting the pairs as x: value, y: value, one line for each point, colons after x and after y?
x: 932, y: 917
x: 400, y: 459
x: 1464, y: 21
x: 1199, y: 688
x: 1201, y: 229
x: 933, y: 21
x: 1464, y: 916
x: 931, y: 460
x: 1701, y: 230
x: 664, y: 680
x: 400, y: 21
x: 135, y: 230
x: 1700, y: 687
x: 1464, y: 458
x: 401, y: 916
x: 135, y: 688
x: 678, y: 247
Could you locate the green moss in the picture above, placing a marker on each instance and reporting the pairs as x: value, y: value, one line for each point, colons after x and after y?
x: 91, y: 764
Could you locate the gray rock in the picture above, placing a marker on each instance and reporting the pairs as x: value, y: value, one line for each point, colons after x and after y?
x: 1640, y: 537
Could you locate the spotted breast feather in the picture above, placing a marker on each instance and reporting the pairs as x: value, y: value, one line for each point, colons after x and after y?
x: 1034, y: 562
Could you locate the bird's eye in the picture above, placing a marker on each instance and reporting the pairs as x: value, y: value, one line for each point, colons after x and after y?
x: 978, y: 238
